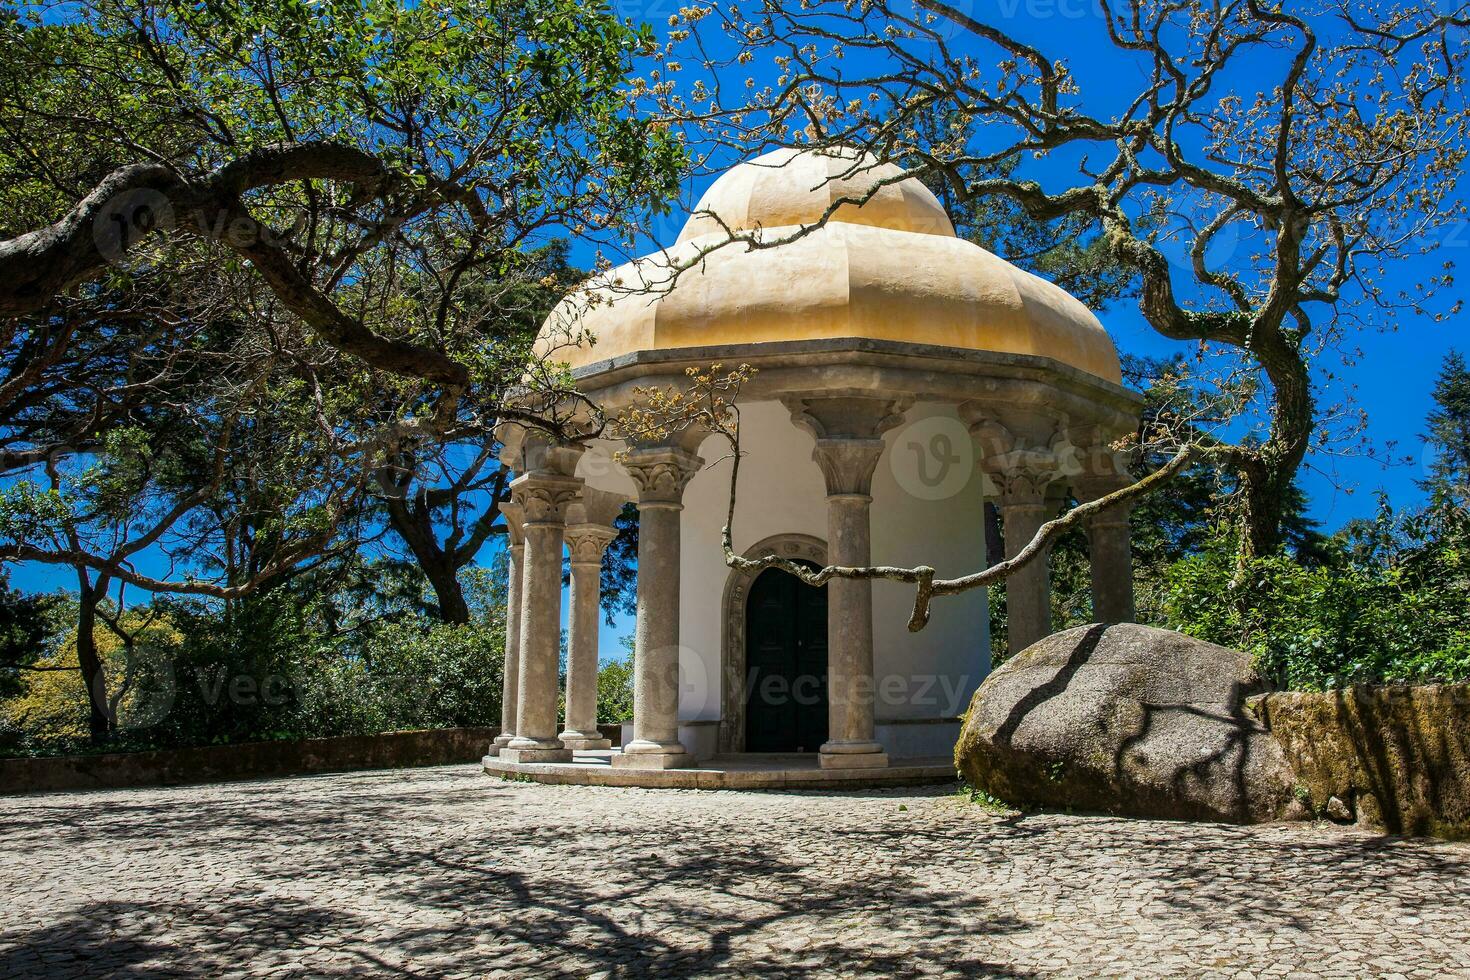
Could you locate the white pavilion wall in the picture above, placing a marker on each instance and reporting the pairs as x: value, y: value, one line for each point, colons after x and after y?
x: 925, y: 675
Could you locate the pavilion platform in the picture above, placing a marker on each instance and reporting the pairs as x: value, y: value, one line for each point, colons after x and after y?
x: 743, y: 771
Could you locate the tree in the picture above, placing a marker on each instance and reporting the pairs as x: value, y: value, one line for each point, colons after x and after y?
x: 367, y: 174
x: 95, y: 361
x: 1256, y: 182
x: 615, y: 691
x: 1061, y: 251
x: 274, y: 248
x: 23, y: 624
x: 618, y: 584
x: 222, y: 481
x: 1387, y: 605
x: 135, y: 648
x: 463, y: 501
x: 1168, y: 528
x: 442, y: 499
x: 1449, y: 429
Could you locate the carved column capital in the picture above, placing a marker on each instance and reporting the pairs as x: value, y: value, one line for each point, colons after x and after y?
x: 544, y: 499
x: 538, y: 452
x: 515, y: 522
x: 587, y: 543
x: 1023, y: 478
x: 661, y: 474
x: 848, y: 465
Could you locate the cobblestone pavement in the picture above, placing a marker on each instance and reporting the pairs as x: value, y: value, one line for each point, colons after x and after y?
x: 448, y: 872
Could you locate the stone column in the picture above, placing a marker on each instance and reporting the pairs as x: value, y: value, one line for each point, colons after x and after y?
x: 1024, y: 507
x: 848, y: 464
x: 661, y: 474
x: 543, y: 499
x: 848, y: 430
x: 1110, y: 552
x: 511, y: 675
x: 586, y: 543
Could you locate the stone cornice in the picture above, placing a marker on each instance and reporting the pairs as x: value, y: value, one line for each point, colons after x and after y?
x: 860, y: 350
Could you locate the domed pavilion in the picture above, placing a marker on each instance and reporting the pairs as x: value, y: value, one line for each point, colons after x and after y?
x: 905, y: 379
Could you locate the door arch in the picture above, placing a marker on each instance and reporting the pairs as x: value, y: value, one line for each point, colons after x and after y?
x: 733, y: 693
x: 786, y: 664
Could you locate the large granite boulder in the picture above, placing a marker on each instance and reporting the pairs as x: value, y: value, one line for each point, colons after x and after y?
x: 1130, y: 720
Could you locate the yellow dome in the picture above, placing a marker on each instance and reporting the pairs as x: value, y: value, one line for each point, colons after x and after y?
x: 788, y: 187
x: 891, y: 269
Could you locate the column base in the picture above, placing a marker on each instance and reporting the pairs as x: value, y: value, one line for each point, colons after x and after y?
x: 535, y: 755
x: 583, y: 741
x: 498, y: 743
x: 523, y: 748
x: 652, y: 760
x: 853, y: 760
x: 852, y: 755
x: 643, y: 753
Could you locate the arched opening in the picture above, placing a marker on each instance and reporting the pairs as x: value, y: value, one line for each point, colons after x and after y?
x: 786, y: 665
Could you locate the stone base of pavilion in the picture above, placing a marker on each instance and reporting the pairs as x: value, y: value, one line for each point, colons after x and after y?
x: 744, y: 771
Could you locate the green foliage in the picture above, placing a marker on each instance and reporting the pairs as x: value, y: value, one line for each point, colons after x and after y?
x: 484, y: 135
x: 1389, y: 605
x: 422, y: 85
x: 269, y: 668
x: 618, y: 585
x: 1185, y: 521
x: 615, y: 691
x: 24, y: 620
x: 985, y: 799
x: 435, y: 675
x: 49, y: 709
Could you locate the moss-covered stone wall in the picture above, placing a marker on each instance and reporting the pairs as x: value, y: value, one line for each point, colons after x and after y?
x: 1391, y: 758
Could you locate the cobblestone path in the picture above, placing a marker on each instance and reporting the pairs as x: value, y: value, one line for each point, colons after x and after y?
x: 447, y: 872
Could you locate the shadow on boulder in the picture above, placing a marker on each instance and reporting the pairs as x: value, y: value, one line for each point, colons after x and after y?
x: 1130, y: 720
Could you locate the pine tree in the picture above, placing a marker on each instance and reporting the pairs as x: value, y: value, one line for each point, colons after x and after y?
x: 1449, y: 429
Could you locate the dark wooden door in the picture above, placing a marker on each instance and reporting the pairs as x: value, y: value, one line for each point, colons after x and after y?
x: 785, y: 665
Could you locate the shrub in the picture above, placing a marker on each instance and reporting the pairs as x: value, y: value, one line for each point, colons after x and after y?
x: 433, y: 676
x: 263, y: 670
x: 615, y: 691
x: 1388, y: 605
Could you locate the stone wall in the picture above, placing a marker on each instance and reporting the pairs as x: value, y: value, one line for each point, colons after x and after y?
x: 1390, y: 758
x: 248, y: 760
